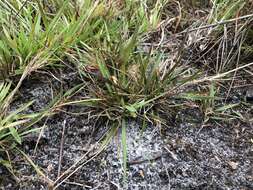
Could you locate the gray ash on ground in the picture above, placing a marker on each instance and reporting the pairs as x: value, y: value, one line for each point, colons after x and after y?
x: 186, y: 156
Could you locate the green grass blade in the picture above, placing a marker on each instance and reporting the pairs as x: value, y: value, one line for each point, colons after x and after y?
x: 124, y: 149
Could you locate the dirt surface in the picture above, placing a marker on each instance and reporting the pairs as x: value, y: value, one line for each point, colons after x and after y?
x: 184, y: 156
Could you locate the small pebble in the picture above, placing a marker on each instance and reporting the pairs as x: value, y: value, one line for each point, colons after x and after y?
x: 249, y: 95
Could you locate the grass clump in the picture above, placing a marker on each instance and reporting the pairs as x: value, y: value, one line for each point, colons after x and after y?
x: 224, y: 10
x: 32, y: 38
x: 11, y: 122
x: 127, y: 80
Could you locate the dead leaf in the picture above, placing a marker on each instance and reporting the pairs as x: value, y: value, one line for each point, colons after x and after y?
x: 141, y: 173
x: 50, y: 167
x: 233, y: 165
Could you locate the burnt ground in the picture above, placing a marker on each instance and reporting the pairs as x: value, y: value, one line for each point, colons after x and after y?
x: 184, y: 156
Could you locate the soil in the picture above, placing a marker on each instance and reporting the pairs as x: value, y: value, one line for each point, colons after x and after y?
x: 184, y: 156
